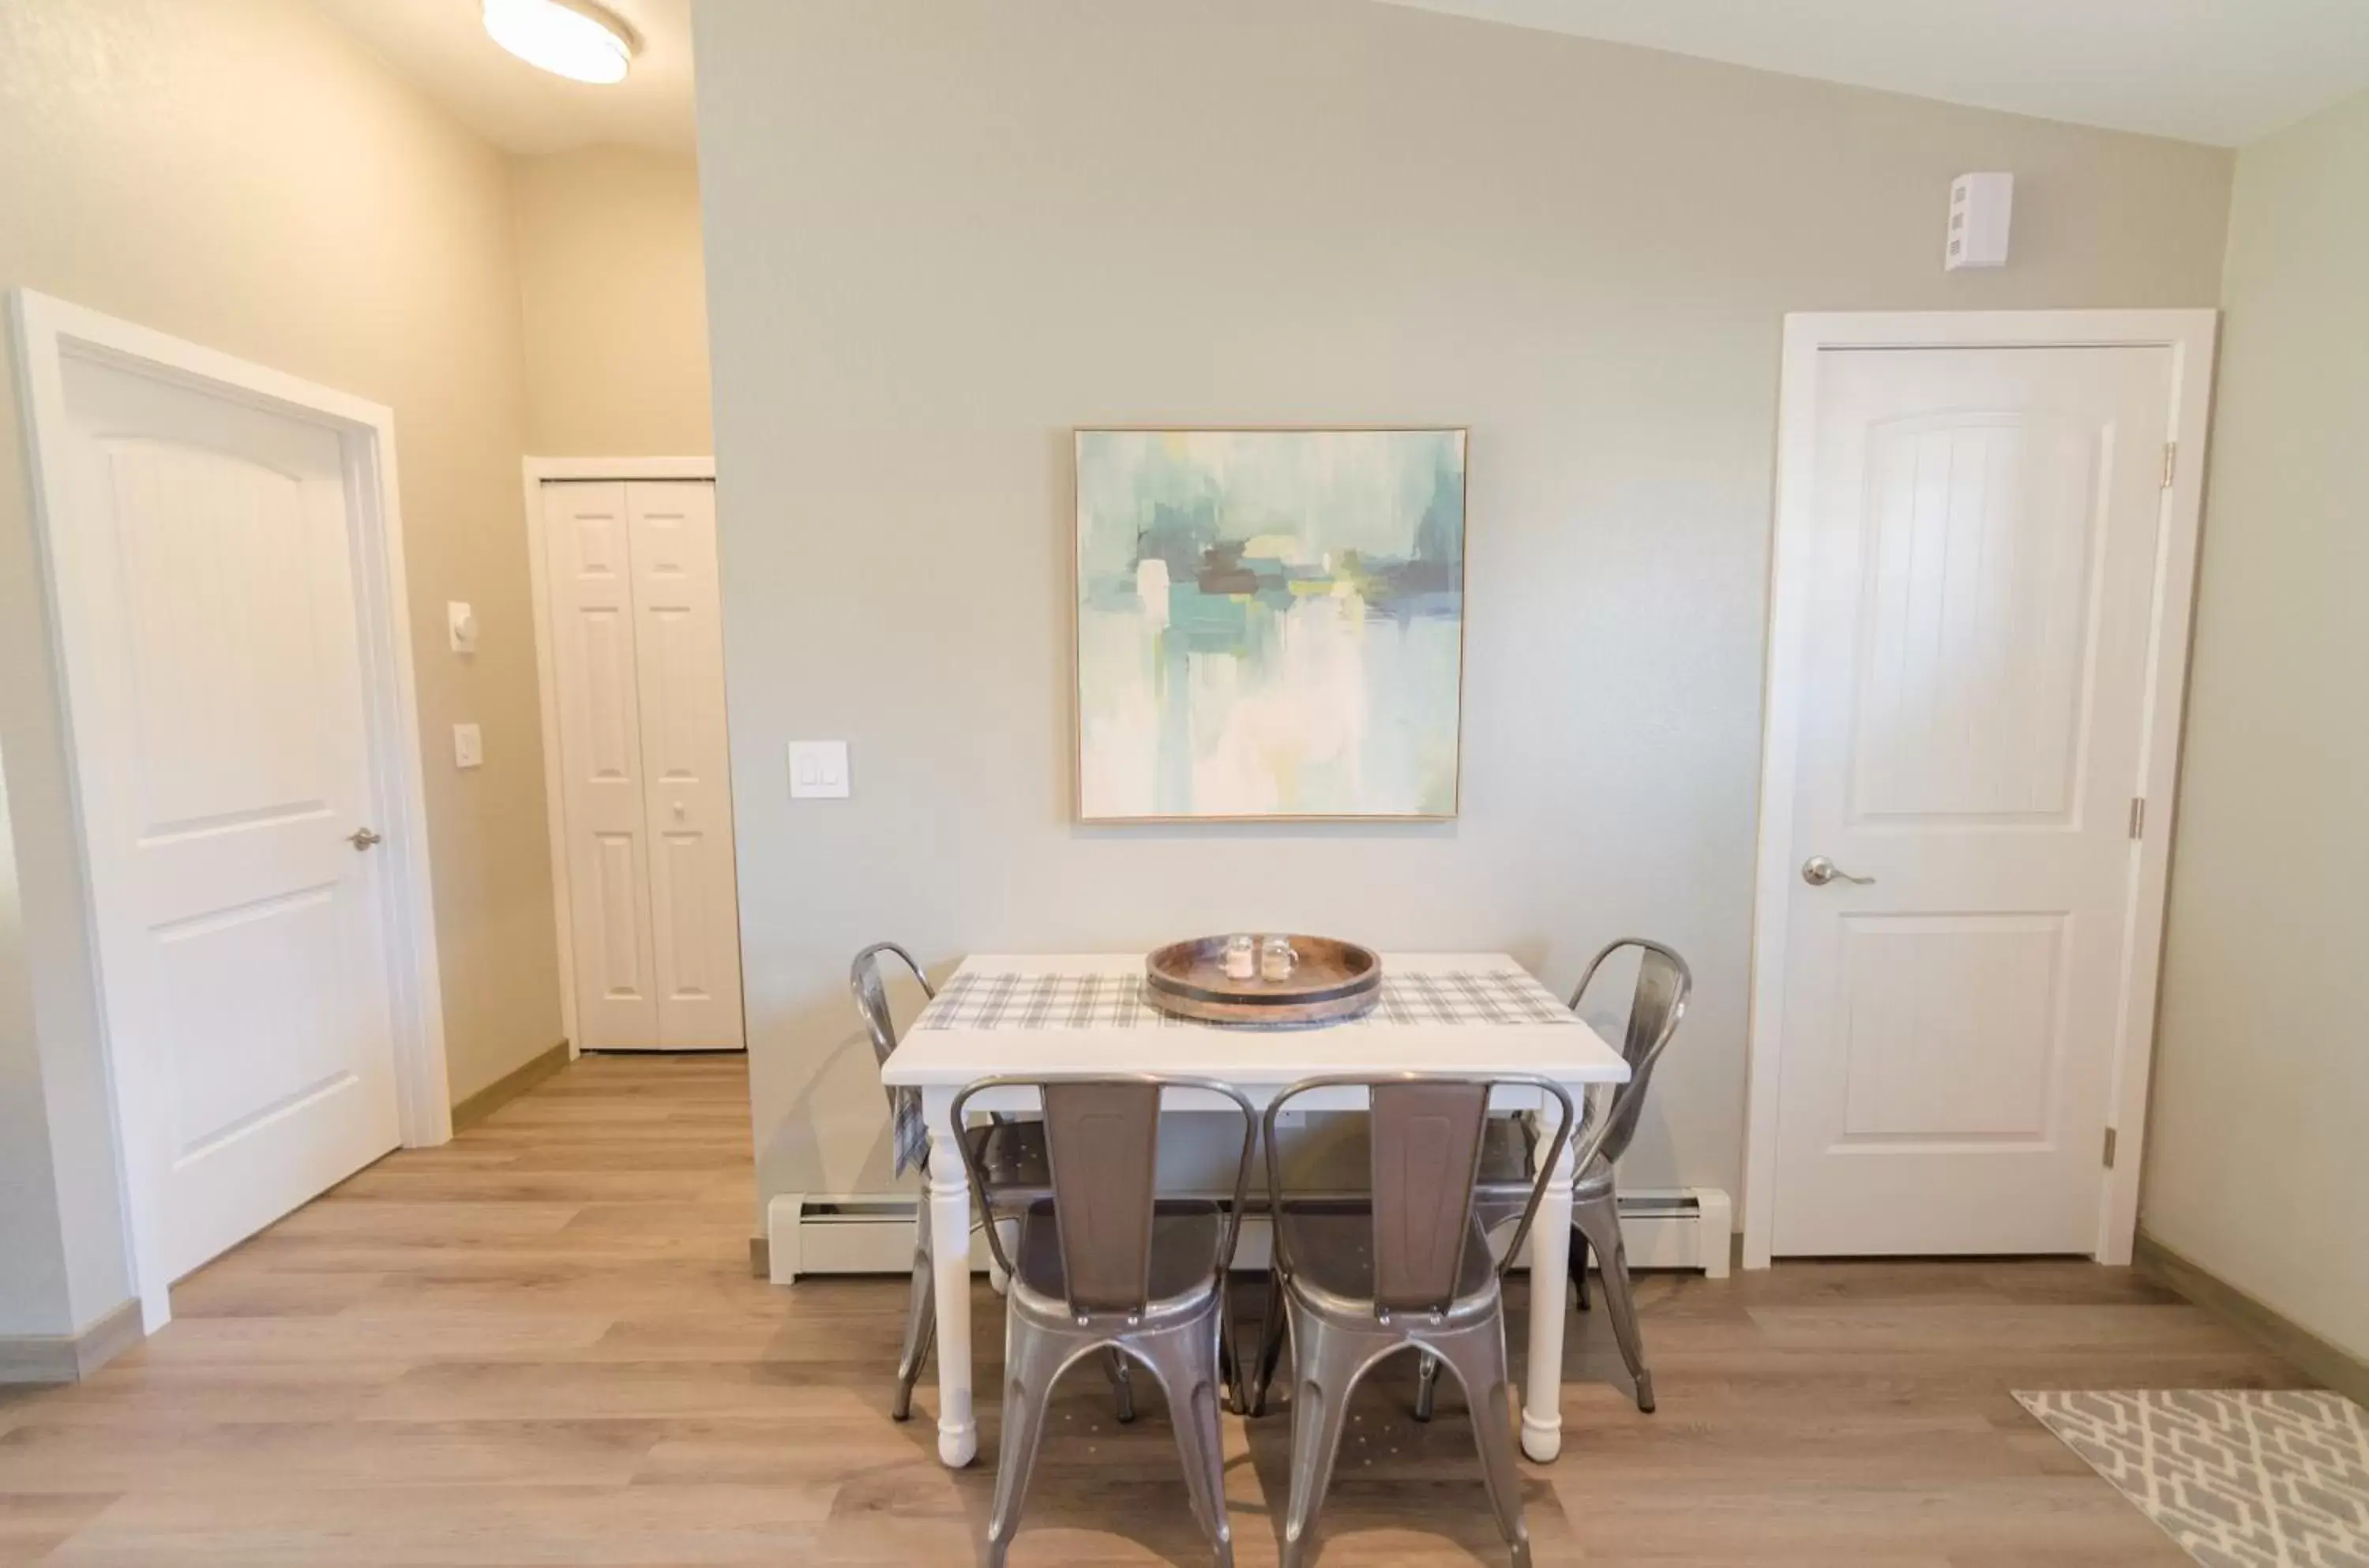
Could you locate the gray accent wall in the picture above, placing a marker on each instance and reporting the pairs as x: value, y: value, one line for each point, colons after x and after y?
x: 942, y: 232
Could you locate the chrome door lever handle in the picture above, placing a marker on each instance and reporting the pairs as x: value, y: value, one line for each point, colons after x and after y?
x: 362, y: 838
x: 1817, y: 871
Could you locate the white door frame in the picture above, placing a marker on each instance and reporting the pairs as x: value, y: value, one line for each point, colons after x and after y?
x: 540, y: 470
x: 2190, y: 334
x: 50, y: 331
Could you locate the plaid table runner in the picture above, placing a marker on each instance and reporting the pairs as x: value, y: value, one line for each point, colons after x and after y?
x: 1115, y: 1000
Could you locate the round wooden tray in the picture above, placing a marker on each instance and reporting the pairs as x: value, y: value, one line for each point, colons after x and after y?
x: 1335, y: 980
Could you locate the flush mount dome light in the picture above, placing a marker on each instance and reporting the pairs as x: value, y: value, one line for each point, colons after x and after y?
x: 568, y: 37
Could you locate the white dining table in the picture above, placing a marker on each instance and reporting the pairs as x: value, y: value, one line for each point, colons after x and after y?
x: 940, y: 1058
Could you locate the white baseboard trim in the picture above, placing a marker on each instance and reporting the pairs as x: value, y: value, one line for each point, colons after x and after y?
x: 811, y: 1233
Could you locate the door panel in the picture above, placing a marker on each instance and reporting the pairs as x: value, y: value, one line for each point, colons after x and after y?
x: 205, y: 582
x: 605, y: 641
x: 1976, y: 606
x: 246, y: 1036
x: 684, y: 943
x: 1982, y: 582
x: 1947, y: 1026
x: 213, y: 552
x: 678, y: 638
x: 601, y: 763
x: 617, y: 883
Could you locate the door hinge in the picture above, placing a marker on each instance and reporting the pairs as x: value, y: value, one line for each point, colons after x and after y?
x: 2138, y: 816
x: 2170, y: 462
x: 2110, y: 1149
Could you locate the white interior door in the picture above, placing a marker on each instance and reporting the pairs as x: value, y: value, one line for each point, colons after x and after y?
x: 638, y: 659
x: 202, y: 559
x: 1978, y: 622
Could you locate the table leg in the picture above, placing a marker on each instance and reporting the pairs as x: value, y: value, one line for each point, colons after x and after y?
x: 1549, y: 1286
x: 950, y: 1258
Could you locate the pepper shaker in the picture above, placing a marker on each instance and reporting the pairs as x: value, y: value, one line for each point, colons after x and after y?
x: 1277, y: 960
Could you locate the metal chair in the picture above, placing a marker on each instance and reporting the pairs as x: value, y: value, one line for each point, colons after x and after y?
x: 1106, y: 1263
x: 1014, y: 1150
x: 1408, y: 1266
x: 1508, y: 1156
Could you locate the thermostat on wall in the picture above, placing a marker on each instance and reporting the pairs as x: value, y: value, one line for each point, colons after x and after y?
x: 1979, y: 207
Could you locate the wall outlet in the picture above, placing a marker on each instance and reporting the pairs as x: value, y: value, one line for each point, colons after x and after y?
x: 468, y: 746
x: 818, y: 770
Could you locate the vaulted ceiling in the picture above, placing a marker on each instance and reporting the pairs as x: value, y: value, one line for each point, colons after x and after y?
x: 2216, y: 71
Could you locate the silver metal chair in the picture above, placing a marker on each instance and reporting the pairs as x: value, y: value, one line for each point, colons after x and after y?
x: 1013, y: 1150
x: 1408, y: 1266
x: 1106, y: 1263
x: 1508, y: 1156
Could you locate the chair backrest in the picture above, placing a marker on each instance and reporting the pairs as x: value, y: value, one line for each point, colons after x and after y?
x: 871, y: 988
x: 1425, y: 1157
x: 1102, y: 1140
x: 1654, y: 1008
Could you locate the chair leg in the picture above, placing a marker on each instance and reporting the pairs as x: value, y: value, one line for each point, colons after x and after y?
x: 1032, y: 1360
x: 1185, y: 1363
x: 997, y: 1281
x: 920, y: 1322
x: 1599, y: 1218
x: 1324, y: 1372
x: 1233, y: 1371
x: 1122, y: 1383
x: 1478, y: 1358
x: 1230, y: 1367
x: 1257, y: 1381
x: 1426, y: 1384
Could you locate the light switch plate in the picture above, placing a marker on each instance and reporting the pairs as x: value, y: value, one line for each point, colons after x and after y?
x: 468, y: 746
x: 817, y: 769
x: 461, y: 622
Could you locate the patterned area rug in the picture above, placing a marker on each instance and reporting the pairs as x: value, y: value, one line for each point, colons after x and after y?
x: 2240, y: 1479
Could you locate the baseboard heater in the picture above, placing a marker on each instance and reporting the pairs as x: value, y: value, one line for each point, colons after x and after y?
x: 811, y: 1233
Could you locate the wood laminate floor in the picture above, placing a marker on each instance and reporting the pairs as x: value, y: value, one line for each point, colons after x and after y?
x: 541, y: 1344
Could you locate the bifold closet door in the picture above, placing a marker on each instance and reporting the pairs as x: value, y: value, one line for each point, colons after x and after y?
x: 686, y: 793
x: 639, y: 666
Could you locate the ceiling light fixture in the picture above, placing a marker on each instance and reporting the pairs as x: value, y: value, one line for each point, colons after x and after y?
x: 568, y: 37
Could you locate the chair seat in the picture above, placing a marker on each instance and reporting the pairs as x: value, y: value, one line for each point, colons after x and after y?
x: 1185, y: 1235
x: 1013, y: 1153
x: 1331, y: 1243
x: 1507, y: 1148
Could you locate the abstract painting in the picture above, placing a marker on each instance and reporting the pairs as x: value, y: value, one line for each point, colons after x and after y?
x: 1270, y: 623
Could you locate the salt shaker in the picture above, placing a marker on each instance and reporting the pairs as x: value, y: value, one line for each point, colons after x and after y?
x: 1241, y: 959
x: 1277, y: 959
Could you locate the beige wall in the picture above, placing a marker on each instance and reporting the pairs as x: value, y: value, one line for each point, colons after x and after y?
x: 2257, y: 1160
x: 241, y: 174
x: 615, y: 312
x: 36, y: 1290
x: 940, y: 235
